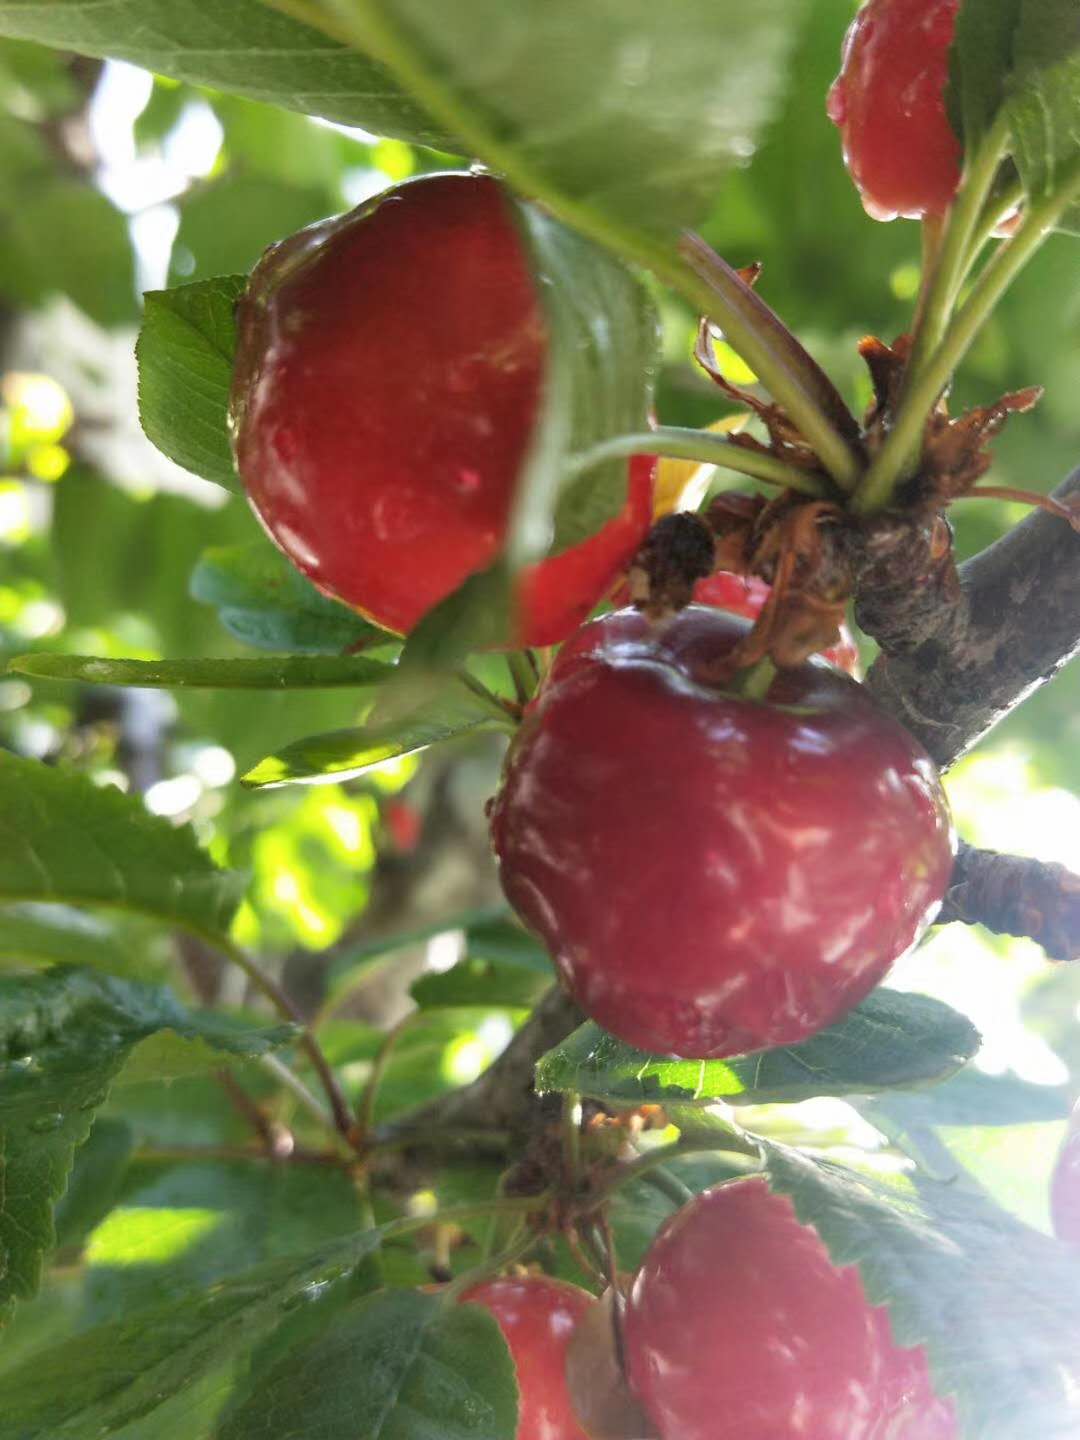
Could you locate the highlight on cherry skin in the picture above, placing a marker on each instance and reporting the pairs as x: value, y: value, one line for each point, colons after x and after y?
x: 714, y: 874
x: 746, y: 595
x: 388, y: 376
x: 737, y: 1313
x: 889, y: 104
x: 537, y: 1316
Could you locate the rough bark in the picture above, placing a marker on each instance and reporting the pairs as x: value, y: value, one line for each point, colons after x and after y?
x: 1013, y: 895
x: 1015, y: 622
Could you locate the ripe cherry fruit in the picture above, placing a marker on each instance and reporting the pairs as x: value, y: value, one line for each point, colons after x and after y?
x: 711, y: 873
x: 746, y: 595
x: 739, y: 1323
x: 889, y: 102
x: 538, y: 1316
x: 389, y: 369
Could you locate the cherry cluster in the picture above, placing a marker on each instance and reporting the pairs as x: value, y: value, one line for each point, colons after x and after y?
x: 719, y: 859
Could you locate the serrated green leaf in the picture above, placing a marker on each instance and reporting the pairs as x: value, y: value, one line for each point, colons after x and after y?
x: 613, y: 109
x: 95, y: 1180
x: 243, y: 46
x: 64, y: 1036
x: 483, y: 983
x: 265, y: 602
x: 64, y: 839
x: 344, y: 754
x: 185, y: 353
x: 315, y: 672
x: 892, y: 1040
x: 1044, y: 102
x: 115, y: 1374
x: 402, y: 1364
x: 996, y: 1304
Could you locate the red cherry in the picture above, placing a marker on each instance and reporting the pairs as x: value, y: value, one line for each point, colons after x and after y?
x: 714, y: 874
x: 537, y: 1317
x: 388, y: 375
x: 889, y: 102
x: 1065, y: 1185
x: 739, y: 1323
x: 404, y: 824
x: 746, y: 595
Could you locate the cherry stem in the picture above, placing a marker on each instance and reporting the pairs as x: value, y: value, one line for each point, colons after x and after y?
x: 928, y: 381
x: 571, y: 1129
x: 523, y: 673
x: 680, y: 443
x: 514, y: 1252
x: 504, y: 710
x: 1028, y: 497
x: 339, y: 1117
x: 755, y: 681
x: 728, y: 1143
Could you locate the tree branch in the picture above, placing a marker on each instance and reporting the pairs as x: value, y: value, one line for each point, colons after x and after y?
x: 502, y: 1098
x: 954, y: 664
x: 1013, y: 895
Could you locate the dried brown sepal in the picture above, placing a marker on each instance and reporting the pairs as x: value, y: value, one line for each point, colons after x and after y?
x: 956, y: 453
x: 785, y: 440
x: 677, y: 553
x: 596, y: 1380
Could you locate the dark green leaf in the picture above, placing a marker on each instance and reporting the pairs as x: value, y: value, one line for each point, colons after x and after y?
x: 974, y: 1098
x: 58, y: 934
x: 481, y: 982
x: 185, y: 353
x: 981, y: 62
x: 265, y: 602
x: 343, y: 754
x: 892, y: 1040
x: 996, y: 1304
x: 95, y: 1181
x: 63, y: 838
x: 499, y: 938
x: 114, y: 1374
x: 65, y: 237
x: 1044, y: 104
x: 64, y: 1035
x: 290, y: 673
x: 615, y: 109
x: 244, y: 46
x: 400, y: 1364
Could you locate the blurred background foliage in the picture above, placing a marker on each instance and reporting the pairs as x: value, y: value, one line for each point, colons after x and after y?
x: 113, y: 181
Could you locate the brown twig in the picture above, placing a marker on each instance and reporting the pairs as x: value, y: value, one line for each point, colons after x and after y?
x: 1013, y: 895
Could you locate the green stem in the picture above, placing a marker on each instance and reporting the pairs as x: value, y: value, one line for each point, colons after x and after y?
x: 518, y: 1248
x: 339, y: 1106
x: 928, y: 383
x: 955, y: 257
x: 507, y: 713
x: 643, y: 1165
x: 523, y: 673
x: 365, y: 25
x: 686, y: 444
x: 754, y: 682
x: 571, y: 1127
x: 669, y: 1185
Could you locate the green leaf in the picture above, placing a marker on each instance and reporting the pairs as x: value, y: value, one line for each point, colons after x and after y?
x: 483, y: 983
x: 62, y: 838
x: 226, y: 225
x: 58, y: 934
x: 64, y: 1035
x: 980, y: 64
x: 893, y: 1040
x: 243, y: 46
x: 265, y: 602
x: 116, y: 1373
x: 996, y: 1304
x: 617, y: 112
x: 344, y: 754
x: 289, y: 673
x: 64, y: 236
x: 401, y: 1364
x: 1044, y: 105
x: 95, y: 1182
x: 498, y: 937
x: 185, y: 353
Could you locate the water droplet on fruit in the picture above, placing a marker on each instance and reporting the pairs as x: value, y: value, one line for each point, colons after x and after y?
x: 836, y: 106
x: 467, y: 482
